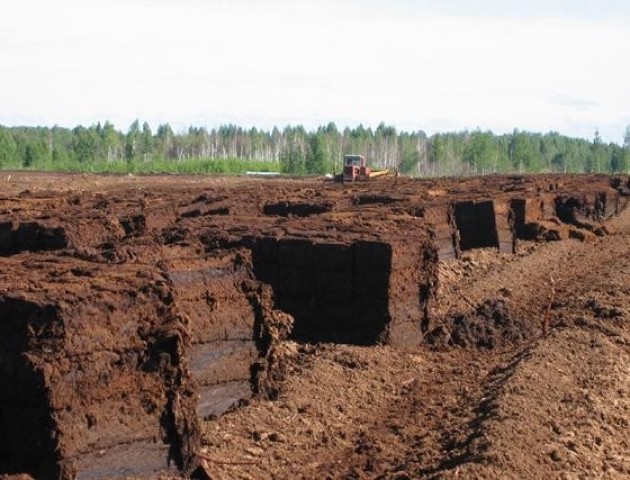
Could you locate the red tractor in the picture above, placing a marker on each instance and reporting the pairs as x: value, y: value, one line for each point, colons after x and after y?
x: 355, y: 168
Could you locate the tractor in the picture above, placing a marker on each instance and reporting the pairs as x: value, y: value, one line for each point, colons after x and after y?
x: 355, y: 168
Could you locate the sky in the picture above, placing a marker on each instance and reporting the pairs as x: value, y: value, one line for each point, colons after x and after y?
x: 417, y: 65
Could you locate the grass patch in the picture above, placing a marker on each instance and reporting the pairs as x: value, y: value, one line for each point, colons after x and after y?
x: 206, y: 166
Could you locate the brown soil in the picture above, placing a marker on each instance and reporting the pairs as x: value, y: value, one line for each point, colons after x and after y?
x: 236, y: 328
x: 549, y: 406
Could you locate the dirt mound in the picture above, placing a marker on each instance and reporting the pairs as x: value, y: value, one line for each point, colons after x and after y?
x: 321, y: 423
x: 491, y: 325
x: 575, y: 428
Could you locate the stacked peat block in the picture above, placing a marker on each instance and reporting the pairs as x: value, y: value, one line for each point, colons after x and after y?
x: 106, y: 370
x: 526, y: 215
x: 212, y: 295
x: 587, y: 210
x: 412, y: 284
x: 564, y: 215
x: 440, y: 218
x: 503, y: 222
x: 100, y: 351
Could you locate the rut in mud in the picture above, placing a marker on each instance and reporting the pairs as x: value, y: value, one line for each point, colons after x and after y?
x: 134, y: 309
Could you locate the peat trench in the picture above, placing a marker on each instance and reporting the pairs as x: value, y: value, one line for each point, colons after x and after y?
x: 121, y: 332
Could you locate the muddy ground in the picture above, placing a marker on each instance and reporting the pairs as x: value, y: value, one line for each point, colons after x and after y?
x: 485, y: 334
x: 554, y: 405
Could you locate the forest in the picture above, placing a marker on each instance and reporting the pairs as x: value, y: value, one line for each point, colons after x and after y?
x: 294, y: 150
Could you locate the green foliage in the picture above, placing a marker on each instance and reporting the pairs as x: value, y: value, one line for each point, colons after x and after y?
x: 521, y: 151
x: 85, y: 144
x: 292, y: 161
x: 294, y: 150
x: 410, y: 155
x: 438, y: 149
x: 197, y: 166
x: 559, y: 162
x: 479, y: 151
x: 617, y: 159
x: 598, y: 159
x: 32, y: 153
x: 7, y: 147
x: 30, y: 156
x: 409, y: 162
x: 60, y: 156
x: 146, y: 142
x: 132, y: 140
x: 315, y: 161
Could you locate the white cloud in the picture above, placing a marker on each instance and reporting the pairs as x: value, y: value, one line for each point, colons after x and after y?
x: 277, y: 62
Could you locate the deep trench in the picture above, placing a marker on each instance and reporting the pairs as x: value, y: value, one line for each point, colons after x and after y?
x: 476, y: 224
x: 27, y: 436
x: 30, y: 236
x: 335, y: 292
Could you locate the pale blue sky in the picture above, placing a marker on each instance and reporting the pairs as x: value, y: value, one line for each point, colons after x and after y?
x: 563, y: 9
x: 419, y: 65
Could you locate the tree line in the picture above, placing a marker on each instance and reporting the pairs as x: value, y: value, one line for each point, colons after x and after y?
x: 101, y: 147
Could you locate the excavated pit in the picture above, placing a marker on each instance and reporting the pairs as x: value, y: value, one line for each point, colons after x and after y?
x: 31, y: 236
x: 476, y: 225
x: 133, y: 311
x: 26, y: 430
x: 361, y: 293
